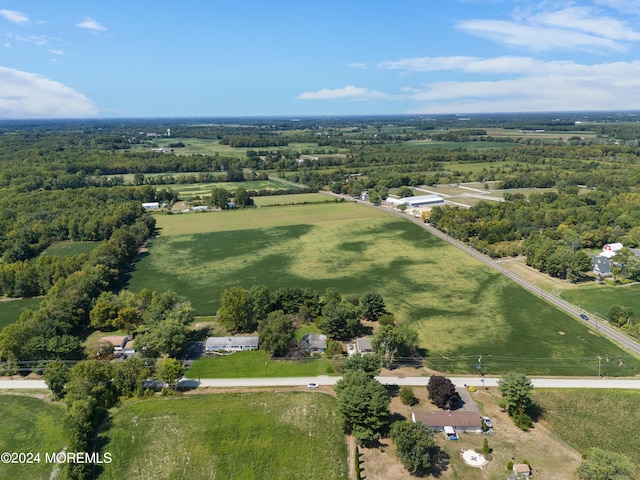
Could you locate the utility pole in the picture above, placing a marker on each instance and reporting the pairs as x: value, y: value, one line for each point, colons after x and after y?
x: 599, y: 362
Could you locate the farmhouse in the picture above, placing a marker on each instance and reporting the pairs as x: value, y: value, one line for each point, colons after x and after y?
x: 419, y: 201
x: 602, y: 266
x: 151, y: 205
x: 363, y: 345
x: 118, y: 341
x: 461, y: 421
x: 314, y: 343
x: 231, y: 344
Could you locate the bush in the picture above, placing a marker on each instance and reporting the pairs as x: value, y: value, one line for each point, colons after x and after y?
x: 407, y: 397
x: 522, y: 421
x: 509, y: 465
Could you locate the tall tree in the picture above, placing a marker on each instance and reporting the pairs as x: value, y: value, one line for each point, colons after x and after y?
x: 515, y: 389
x: 415, y: 445
x: 235, y: 312
x: 276, y: 333
x: 442, y: 392
x: 372, y: 305
x: 392, y: 340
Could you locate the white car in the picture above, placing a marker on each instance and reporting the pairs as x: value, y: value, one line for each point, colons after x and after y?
x: 487, y: 422
x: 312, y: 385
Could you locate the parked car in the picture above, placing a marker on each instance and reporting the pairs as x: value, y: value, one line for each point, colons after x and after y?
x: 487, y: 422
x: 312, y: 385
x: 584, y: 317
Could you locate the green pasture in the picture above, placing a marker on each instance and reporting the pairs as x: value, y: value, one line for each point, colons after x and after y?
x: 243, y: 436
x: 600, y: 298
x: 198, y: 146
x: 585, y: 418
x: 190, y: 190
x: 68, y: 249
x: 294, y: 199
x: 258, y: 364
x: 30, y: 425
x: 460, y: 308
x: 10, y: 309
x: 424, y: 144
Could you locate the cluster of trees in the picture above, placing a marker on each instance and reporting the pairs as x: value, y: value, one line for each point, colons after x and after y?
x: 515, y: 389
x: 554, y: 230
x: 220, y: 198
x: 54, y: 330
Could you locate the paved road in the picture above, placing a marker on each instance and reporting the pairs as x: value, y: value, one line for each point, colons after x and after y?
x: 459, y: 382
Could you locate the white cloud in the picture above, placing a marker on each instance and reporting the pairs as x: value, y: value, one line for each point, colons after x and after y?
x: 349, y: 92
x: 359, y: 65
x: 91, y: 24
x: 626, y: 6
x: 14, y: 17
x: 29, y: 95
x: 427, y: 64
x: 567, y: 28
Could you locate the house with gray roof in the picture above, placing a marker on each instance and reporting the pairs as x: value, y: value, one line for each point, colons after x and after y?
x: 231, y: 344
x: 602, y: 266
x: 314, y: 342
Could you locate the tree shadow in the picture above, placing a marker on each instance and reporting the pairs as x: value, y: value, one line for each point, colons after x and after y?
x: 535, y: 411
x: 439, y: 462
x: 392, y: 390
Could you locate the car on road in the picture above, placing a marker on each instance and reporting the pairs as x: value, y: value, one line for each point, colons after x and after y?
x: 312, y: 385
x: 487, y: 422
x: 584, y: 317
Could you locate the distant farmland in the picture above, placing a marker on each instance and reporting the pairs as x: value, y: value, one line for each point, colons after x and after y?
x: 461, y: 308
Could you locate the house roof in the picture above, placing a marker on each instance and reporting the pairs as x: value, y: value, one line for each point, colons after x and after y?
x: 364, y: 344
x: 521, y: 468
x: 115, y: 340
x: 232, y: 342
x: 614, y: 247
x: 442, y: 418
x: 602, y: 265
x: 315, y: 340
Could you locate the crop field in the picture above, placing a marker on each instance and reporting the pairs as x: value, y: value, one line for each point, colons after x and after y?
x: 227, y: 436
x: 10, y: 309
x: 198, y: 146
x: 29, y: 425
x: 584, y: 418
x: 258, y: 364
x: 190, y: 190
x: 460, y: 308
x: 600, y: 298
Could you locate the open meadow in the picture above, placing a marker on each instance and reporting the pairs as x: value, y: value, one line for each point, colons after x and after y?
x: 460, y: 308
x: 29, y: 425
x: 10, y: 309
x: 227, y: 436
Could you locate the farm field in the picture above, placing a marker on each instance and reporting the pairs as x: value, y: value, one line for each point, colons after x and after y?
x: 460, y: 308
x: 197, y: 146
x: 294, y: 199
x: 258, y: 364
x: 64, y: 249
x: 479, y: 145
x: 584, y: 418
x: 190, y: 190
x: 600, y: 298
x: 227, y: 436
x: 29, y: 425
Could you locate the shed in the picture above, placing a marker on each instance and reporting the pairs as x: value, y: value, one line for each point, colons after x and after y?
x: 461, y: 421
x: 363, y: 345
x: 522, y: 470
x: 231, y: 344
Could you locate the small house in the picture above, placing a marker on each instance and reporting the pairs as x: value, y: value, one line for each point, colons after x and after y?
x: 117, y: 341
x: 314, y: 342
x: 602, y: 266
x: 363, y: 345
x: 200, y: 208
x: 460, y: 421
x: 231, y: 344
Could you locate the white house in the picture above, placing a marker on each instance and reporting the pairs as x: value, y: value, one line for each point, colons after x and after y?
x: 231, y: 344
x: 419, y: 201
x: 151, y: 205
x: 200, y: 208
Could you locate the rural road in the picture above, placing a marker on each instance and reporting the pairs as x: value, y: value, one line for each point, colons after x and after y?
x: 459, y: 382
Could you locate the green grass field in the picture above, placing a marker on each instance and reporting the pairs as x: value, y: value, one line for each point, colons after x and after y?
x: 294, y: 199
x: 258, y: 364
x: 244, y: 436
x: 584, y: 418
x: 461, y: 308
x: 188, y: 191
x: 29, y: 425
x: 600, y: 298
x: 10, y: 310
x: 67, y: 249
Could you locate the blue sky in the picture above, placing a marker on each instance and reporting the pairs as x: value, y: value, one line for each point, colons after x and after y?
x: 293, y: 58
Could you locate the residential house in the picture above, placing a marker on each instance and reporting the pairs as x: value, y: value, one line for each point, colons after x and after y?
x: 314, y: 342
x: 602, y: 266
x: 363, y: 345
x: 151, y: 205
x: 522, y: 470
x: 461, y: 421
x: 117, y: 341
x: 231, y: 344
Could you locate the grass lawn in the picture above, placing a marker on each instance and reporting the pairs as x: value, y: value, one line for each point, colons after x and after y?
x: 190, y: 190
x: 29, y: 425
x: 600, y: 298
x: 460, y: 308
x: 258, y: 364
x: 10, y: 309
x: 294, y: 199
x: 584, y: 418
x: 67, y: 249
x: 227, y: 436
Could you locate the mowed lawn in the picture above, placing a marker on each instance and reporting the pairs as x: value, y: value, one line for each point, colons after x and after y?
x: 10, y: 310
x: 244, y: 436
x: 29, y: 425
x: 461, y: 308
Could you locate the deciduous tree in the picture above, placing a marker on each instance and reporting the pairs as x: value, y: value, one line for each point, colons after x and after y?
x: 415, y: 445
x: 442, y: 392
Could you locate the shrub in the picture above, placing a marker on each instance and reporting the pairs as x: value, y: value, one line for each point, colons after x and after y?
x: 407, y: 397
x: 522, y: 421
x: 509, y: 465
